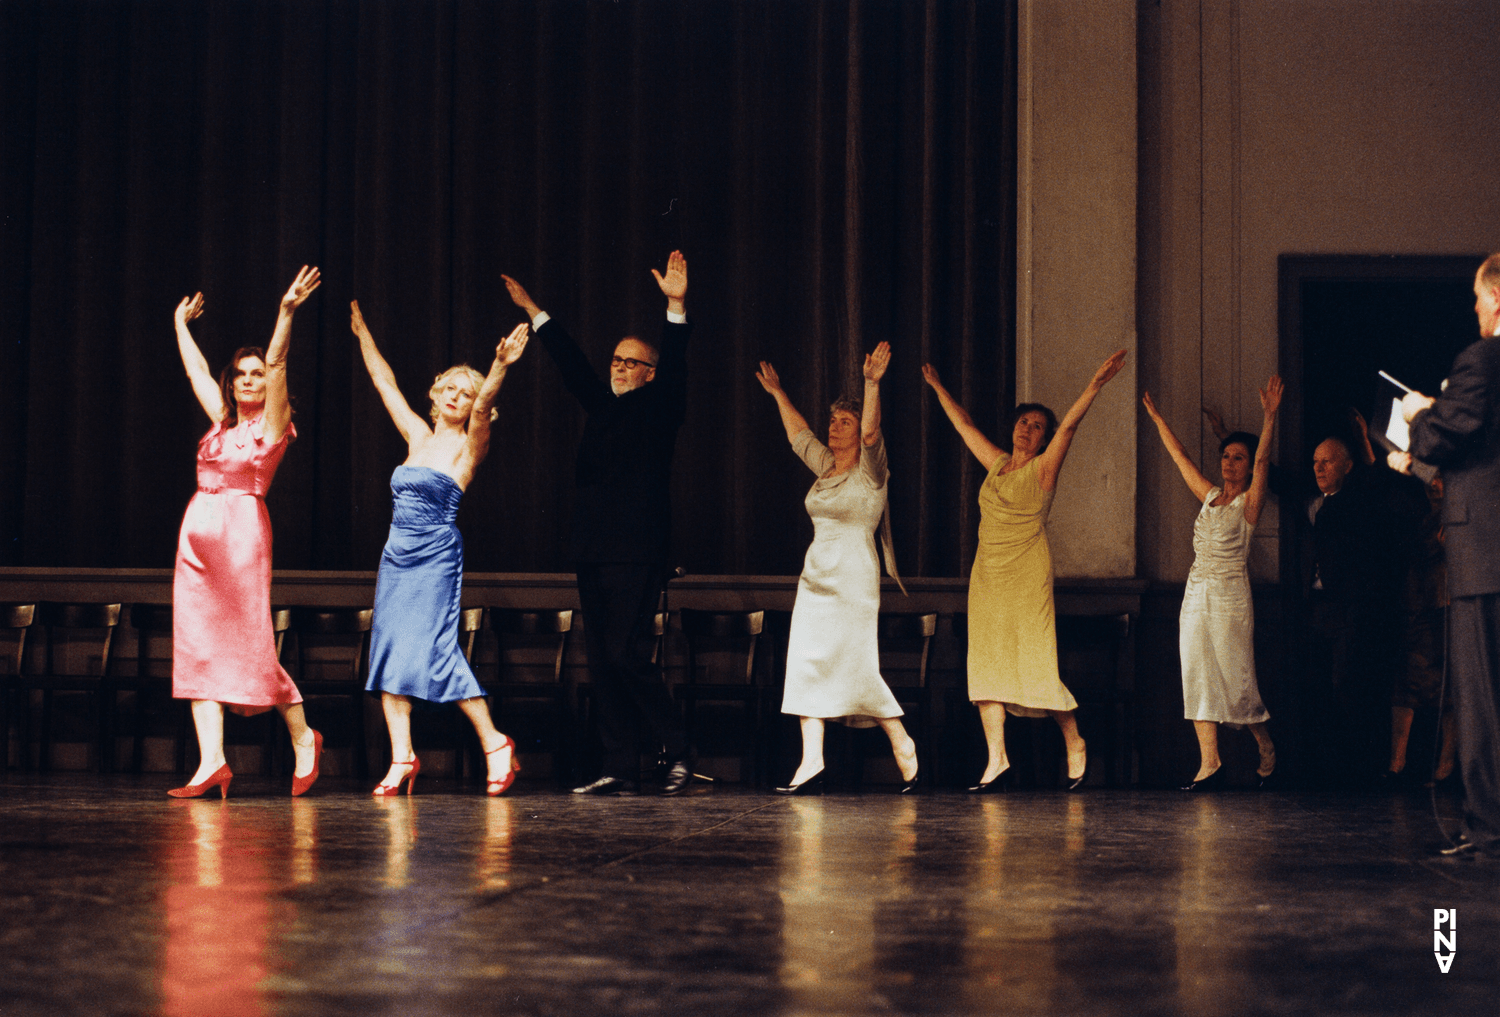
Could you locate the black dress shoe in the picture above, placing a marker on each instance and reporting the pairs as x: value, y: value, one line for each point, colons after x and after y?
x: 1213, y: 782
x: 1269, y: 782
x: 811, y: 786
x: 607, y: 786
x: 997, y: 784
x: 1076, y: 783
x: 679, y: 776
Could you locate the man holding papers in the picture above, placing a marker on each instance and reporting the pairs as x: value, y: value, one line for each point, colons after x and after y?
x: 1459, y: 432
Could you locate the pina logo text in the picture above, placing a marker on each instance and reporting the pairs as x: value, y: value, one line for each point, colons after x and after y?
x: 1445, y: 943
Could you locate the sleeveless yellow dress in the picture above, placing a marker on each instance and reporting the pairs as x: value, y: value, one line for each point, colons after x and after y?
x: 1012, y: 625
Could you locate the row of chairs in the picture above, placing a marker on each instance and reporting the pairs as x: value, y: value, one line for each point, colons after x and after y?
x: 332, y: 652
x: 728, y: 659
x: 78, y: 655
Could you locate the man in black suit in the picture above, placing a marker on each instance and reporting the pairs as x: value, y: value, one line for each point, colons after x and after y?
x: 621, y: 525
x: 1459, y: 432
x: 1364, y: 518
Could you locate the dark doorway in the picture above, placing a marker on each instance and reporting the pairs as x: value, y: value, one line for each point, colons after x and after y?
x: 1345, y: 318
x: 1342, y: 320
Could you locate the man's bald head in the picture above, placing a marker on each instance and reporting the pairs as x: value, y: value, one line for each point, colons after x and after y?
x: 1331, y: 464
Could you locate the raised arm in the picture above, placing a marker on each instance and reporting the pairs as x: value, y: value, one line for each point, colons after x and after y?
x: 521, y: 298
x: 591, y: 391
x: 404, y: 417
x: 674, y: 284
x: 1362, y: 431
x: 1196, y: 481
x: 793, y: 421
x: 278, y: 411
x: 875, y: 365
x: 507, y: 353
x: 1050, y: 462
x: 984, y: 450
x: 1260, y: 479
x: 672, y: 364
x: 202, y: 379
x: 1215, y: 423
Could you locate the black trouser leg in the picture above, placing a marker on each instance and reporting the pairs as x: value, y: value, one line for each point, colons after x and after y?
x: 619, y: 602
x: 1473, y: 673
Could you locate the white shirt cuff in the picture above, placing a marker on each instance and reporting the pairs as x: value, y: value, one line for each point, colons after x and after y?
x: 542, y: 317
x: 676, y: 319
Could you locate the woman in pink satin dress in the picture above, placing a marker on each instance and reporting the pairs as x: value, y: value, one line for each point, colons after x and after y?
x: 223, y: 648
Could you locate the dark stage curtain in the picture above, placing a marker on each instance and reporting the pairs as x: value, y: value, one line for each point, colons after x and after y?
x: 837, y: 174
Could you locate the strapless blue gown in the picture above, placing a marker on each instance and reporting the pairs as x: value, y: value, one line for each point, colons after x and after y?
x: 414, y: 642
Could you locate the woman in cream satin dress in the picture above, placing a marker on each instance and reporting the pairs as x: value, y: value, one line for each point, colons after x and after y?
x: 833, y: 660
x: 1217, y: 624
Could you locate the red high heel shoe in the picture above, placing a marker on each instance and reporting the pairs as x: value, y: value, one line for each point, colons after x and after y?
x: 499, y: 787
x: 301, y: 784
x: 410, y: 780
x: 220, y: 779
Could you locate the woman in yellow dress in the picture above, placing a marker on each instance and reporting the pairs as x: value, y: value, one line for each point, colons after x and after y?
x: 1012, y: 626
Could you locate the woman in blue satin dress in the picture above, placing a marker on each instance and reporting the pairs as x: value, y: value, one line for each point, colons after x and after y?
x: 414, y: 650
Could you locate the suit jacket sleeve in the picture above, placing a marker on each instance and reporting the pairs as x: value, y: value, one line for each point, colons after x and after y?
x: 578, y: 375
x: 671, y: 372
x: 1448, y: 431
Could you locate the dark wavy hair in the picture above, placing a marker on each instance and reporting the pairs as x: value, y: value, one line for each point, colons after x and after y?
x: 1025, y: 408
x: 1245, y: 438
x: 226, y: 383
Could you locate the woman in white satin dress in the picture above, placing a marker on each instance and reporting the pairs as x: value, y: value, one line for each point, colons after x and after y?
x: 1217, y: 625
x: 833, y: 662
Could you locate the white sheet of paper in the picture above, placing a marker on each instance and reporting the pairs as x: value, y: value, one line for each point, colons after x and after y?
x: 1396, y: 431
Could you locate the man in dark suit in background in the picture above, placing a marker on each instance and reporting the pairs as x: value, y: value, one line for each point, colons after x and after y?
x: 1459, y: 432
x: 1364, y: 520
x: 621, y: 525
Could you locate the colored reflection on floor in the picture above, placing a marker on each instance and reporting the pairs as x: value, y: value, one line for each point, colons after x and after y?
x: 117, y: 900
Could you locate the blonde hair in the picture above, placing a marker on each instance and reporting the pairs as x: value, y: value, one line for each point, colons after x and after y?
x: 475, y: 378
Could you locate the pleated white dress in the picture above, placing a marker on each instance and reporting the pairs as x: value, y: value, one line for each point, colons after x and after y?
x: 833, y: 654
x: 1217, y: 625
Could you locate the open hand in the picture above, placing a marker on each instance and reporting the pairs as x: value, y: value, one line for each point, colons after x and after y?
x: 674, y: 283
x: 1150, y: 405
x: 520, y: 297
x: 1109, y: 369
x: 307, y: 280
x: 930, y: 375
x: 1358, y: 420
x: 877, y: 362
x: 1270, y: 398
x: 188, y: 309
x: 768, y: 378
x: 357, y: 322
x: 510, y: 348
x: 1215, y: 423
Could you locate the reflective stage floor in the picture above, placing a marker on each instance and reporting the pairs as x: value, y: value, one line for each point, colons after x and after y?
x: 118, y: 900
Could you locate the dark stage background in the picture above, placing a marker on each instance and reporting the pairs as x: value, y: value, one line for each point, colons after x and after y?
x: 836, y: 173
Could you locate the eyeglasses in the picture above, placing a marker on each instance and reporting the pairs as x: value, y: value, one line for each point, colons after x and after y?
x: 629, y: 363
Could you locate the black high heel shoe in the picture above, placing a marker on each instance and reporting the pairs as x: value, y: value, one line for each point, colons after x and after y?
x: 1212, y: 782
x: 996, y: 784
x: 811, y: 786
x: 1076, y: 783
x: 909, y: 786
